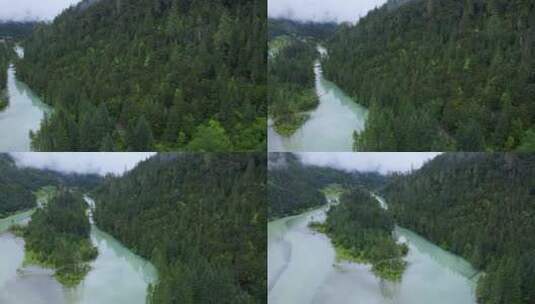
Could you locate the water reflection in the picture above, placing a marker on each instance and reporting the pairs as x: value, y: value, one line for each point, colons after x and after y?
x: 116, y: 276
x: 24, y: 113
x: 310, y: 273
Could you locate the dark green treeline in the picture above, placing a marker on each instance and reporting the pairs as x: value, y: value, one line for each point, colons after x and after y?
x: 58, y: 237
x: 441, y: 75
x: 361, y: 231
x: 482, y: 207
x: 144, y: 75
x: 4, y: 64
x: 17, y: 185
x: 199, y: 218
x: 294, y: 187
x: 290, y: 74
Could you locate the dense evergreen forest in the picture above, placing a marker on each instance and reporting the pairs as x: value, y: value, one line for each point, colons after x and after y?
x: 144, y: 75
x: 480, y: 206
x: 17, y: 184
x: 291, y: 82
x: 58, y: 237
x: 16, y: 29
x: 199, y: 218
x: 291, y: 79
x: 361, y: 231
x: 4, y: 64
x: 286, y: 27
x: 294, y: 187
x: 441, y: 75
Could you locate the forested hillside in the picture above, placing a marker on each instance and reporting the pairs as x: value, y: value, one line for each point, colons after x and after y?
x: 441, y: 75
x: 281, y: 26
x: 291, y: 79
x: 199, y: 218
x: 4, y: 64
x: 361, y: 231
x: 58, y: 237
x: 294, y: 187
x: 18, y: 184
x: 16, y: 29
x: 480, y: 206
x: 141, y: 75
x: 291, y: 82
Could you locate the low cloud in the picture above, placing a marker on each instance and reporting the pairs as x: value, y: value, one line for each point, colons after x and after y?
x: 321, y: 10
x: 96, y: 163
x: 368, y: 162
x: 26, y: 10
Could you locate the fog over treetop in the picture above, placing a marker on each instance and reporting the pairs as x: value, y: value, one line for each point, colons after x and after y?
x: 97, y: 163
x: 369, y: 162
x: 29, y: 10
x: 321, y: 10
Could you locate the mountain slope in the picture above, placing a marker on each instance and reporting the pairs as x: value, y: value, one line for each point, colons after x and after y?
x: 294, y: 186
x: 199, y: 218
x: 18, y: 184
x: 441, y: 75
x: 145, y: 75
x: 480, y: 206
x: 280, y: 26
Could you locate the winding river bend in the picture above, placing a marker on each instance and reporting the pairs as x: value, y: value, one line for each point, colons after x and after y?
x: 23, y: 114
x: 302, y: 269
x: 116, y: 276
x: 330, y: 126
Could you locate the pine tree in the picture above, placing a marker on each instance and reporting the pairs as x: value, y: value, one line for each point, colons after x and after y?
x: 141, y: 138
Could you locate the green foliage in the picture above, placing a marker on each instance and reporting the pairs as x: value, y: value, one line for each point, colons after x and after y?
x: 15, y: 29
x: 199, y: 218
x: 286, y: 27
x: 294, y: 187
x: 151, y: 68
x: 4, y: 64
x: 440, y: 75
x: 18, y: 184
x: 58, y: 237
x: 210, y: 138
x: 528, y: 141
x: 480, y: 206
x: 361, y: 231
x: 291, y: 83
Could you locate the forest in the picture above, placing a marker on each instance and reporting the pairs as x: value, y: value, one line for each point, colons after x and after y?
x: 199, y: 218
x: 145, y: 75
x: 58, y: 237
x: 361, y: 231
x: 16, y: 30
x: 441, y: 75
x: 479, y: 206
x: 291, y: 83
x: 18, y: 185
x: 291, y: 78
x: 294, y: 187
x: 4, y: 64
x: 287, y: 27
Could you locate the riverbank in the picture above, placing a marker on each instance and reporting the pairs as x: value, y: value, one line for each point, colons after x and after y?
x: 117, y: 275
x: 328, y: 127
x: 361, y: 232
x: 302, y: 268
x: 22, y: 114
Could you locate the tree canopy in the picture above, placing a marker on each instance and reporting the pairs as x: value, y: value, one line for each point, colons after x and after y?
x: 480, y: 206
x: 199, y: 218
x: 440, y: 75
x: 144, y: 75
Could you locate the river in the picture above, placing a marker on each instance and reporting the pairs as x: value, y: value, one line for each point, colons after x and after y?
x: 117, y: 275
x: 302, y: 268
x: 24, y: 113
x: 330, y: 126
